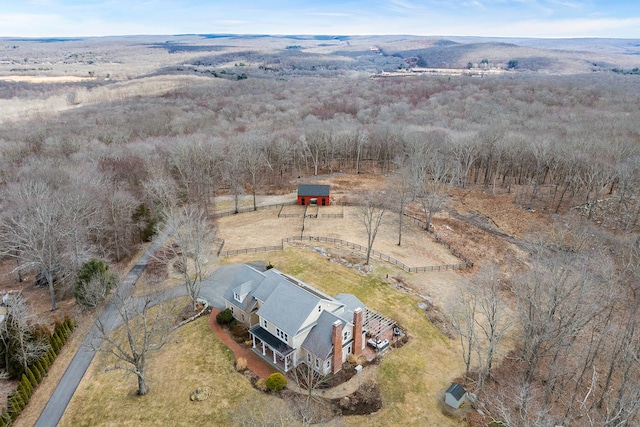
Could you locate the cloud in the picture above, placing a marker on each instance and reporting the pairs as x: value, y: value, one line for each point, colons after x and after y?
x: 581, y: 27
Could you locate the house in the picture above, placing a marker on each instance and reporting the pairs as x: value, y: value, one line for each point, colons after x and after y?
x: 454, y: 396
x: 313, y: 194
x: 291, y: 322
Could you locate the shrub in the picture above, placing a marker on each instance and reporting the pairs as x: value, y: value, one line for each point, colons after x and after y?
x: 276, y: 382
x: 32, y: 377
x: 94, y: 282
x: 241, y: 364
x: 15, y: 404
x: 37, y: 370
x: 145, y: 221
x: 25, y: 388
x: 260, y: 385
x: 225, y: 317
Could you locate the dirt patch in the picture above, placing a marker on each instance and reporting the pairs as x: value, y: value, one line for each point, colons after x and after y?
x: 366, y: 400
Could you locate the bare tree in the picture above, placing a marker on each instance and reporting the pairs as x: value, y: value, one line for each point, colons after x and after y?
x: 399, y: 190
x: 255, y: 161
x: 194, y: 162
x: 146, y: 325
x: 308, y: 379
x: 465, y: 151
x: 35, y: 232
x: 233, y: 171
x: 371, y: 210
x: 258, y: 413
x: 463, y: 317
x: 493, y: 320
x: 557, y: 299
x: 118, y: 207
x: 192, y: 236
x: 16, y: 333
x: 440, y: 174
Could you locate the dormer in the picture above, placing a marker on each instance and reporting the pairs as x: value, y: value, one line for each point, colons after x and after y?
x: 241, y: 292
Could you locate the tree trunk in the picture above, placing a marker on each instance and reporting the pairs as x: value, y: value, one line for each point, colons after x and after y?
x: 52, y: 291
x: 400, y: 223
x: 142, y: 384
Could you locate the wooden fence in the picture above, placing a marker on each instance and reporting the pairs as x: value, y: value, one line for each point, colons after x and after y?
x: 422, y: 223
x: 250, y: 209
x: 377, y: 254
x: 467, y: 263
x: 252, y: 250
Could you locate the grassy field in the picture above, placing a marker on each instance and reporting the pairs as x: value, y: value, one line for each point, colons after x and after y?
x: 192, y: 358
x: 410, y: 377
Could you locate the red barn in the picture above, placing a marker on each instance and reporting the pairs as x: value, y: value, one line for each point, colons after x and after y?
x: 313, y: 194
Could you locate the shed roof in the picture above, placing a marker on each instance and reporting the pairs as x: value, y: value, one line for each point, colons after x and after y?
x: 313, y: 190
x: 456, y: 390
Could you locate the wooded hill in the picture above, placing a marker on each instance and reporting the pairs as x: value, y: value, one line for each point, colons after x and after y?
x: 178, y: 120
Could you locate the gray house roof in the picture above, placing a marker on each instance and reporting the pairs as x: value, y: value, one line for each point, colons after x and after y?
x: 287, y: 303
x: 242, y: 279
x: 270, y: 280
x: 351, y: 302
x: 313, y: 190
x: 288, y: 307
x: 318, y: 342
x: 456, y: 390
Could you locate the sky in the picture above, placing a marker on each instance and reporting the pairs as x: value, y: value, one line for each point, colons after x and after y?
x: 485, y: 18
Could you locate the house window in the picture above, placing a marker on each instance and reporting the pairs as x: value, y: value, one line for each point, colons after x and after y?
x: 232, y: 312
x: 237, y: 296
x: 317, y: 364
x: 242, y: 316
x: 349, y: 350
x: 346, y: 336
x: 282, y: 335
x: 328, y: 363
x: 309, y: 357
x: 265, y: 324
x: 319, y: 308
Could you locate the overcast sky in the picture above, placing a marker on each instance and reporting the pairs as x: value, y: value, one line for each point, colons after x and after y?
x: 501, y: 18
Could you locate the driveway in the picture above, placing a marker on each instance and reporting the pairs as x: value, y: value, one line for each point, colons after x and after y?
x: 214, y: 286
x: 57, y: 404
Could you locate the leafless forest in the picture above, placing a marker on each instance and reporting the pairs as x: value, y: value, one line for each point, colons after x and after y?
x: 88, y: 174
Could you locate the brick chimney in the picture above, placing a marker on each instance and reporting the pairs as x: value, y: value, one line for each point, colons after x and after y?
x: 336, y: 339
x: 357, y: 332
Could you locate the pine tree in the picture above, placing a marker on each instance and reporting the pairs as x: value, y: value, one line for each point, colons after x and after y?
x: 16, y: 405
x: 38, y: 370
x: 44, y: 362
x: 25, y: 388
x: 32, y: 377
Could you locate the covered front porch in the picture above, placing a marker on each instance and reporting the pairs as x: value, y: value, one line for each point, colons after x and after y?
x: 272, y: 349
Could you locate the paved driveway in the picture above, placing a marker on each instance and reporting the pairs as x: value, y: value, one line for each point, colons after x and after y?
x: 61, y: 396
x: 214, y: 286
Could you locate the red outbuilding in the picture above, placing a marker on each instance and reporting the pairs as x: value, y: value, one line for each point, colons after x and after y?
x: 313, y: 194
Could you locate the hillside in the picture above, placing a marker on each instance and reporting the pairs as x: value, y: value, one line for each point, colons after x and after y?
x: 532, y: 172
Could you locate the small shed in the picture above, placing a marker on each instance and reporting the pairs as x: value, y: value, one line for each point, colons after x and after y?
x: 454, y: 396
x: 313, y: 194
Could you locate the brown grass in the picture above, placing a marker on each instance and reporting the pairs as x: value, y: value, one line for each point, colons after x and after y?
x: 192, y: 358
x: 264, y: 228
x: 411, y: 376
